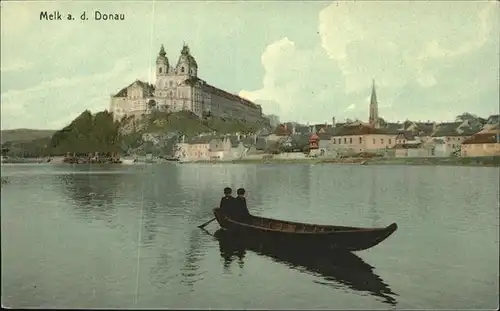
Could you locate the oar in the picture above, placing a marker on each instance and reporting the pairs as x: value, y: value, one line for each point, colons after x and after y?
x: 203, y: 225
x: 206, y: 231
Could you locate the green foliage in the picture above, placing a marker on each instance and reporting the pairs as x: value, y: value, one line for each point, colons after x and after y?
x: 148, y: 147
x: 99, y: 133
x: 88, y: 133
x: 35, y: 148
x: 471, y: 118
x: 466, y: 116
x: 131, y: 141
x: 382, y: 122
x: 190, y: 124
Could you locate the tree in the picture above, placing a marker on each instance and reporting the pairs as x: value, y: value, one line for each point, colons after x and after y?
x: 466, y: 116
x: 472, y: 119
x: 382, y: 122
x: 88, y: 133
x: 149, y: 147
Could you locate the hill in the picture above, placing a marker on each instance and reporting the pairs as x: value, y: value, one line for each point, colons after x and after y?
x: 100, y: 133
x: 188, y: 123
x: 169, y: 127
x: 24, y: 134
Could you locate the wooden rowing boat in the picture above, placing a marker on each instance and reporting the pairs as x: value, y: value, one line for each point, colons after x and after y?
x: 295, y: 234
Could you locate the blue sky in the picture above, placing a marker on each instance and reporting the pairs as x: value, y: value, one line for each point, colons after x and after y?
x: 305, y: 61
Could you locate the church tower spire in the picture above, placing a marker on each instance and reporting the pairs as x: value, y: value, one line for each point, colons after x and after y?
x: 162, y: 66
x: 162, y: 51
x: 373, y: 119
x: 186, y: 65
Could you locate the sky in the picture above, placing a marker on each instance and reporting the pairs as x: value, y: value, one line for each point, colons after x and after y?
x: 304, y: 61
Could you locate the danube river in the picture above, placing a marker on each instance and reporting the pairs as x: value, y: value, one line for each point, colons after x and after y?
x: 127, y: 237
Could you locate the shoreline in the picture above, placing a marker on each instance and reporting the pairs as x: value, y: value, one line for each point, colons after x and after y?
x: 473, y: 162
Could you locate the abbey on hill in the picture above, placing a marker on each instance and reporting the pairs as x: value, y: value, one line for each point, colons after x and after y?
x: 178, y: 88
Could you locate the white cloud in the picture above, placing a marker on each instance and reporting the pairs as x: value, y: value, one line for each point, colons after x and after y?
x: 428, y: 59
x: 350, y: 107
x: 395, y: 41
x: 296, y: 80
x: 408, y: 47
x: 66, y: 97
x: 15, y: 65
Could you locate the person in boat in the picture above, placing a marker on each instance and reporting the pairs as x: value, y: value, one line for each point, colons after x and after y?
x: 227, y: 201
x: 241, y: 212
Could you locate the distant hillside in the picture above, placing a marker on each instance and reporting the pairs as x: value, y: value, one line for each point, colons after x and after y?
x: 24, y: 134
x: 99, y: 133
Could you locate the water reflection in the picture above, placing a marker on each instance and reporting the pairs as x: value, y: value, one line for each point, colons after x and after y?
x: 92, y: 189
x: 190, y: 271
x: 335, y: 268
x: 372, y: 202
x: 149, y: 221
x: 281, y: 180
x: 176, y: 264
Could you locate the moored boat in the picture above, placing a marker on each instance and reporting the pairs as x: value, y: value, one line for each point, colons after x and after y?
x: 129, y: 161
x: 295, y: 234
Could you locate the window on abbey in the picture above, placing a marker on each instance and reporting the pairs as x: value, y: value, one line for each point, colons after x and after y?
x: 182, y: 69
x: 159, y: 70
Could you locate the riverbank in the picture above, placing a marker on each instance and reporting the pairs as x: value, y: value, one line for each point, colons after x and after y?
x: 25, y: 160
x: 457, y: 161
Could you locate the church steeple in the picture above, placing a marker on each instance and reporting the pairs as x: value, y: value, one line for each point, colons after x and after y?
x: 373, y: 100
x: 162, y: 51
x: 162, y: 66
x: 373, y: 118
x: 185, y: 49
x: 186, y: 65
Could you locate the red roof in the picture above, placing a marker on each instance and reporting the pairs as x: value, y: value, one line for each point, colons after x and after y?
x: 482, y: 138
x: 281, y: 130
x: 362, y: 130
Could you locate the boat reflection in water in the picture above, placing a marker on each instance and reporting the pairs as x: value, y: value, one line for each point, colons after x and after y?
x: 343, y: 268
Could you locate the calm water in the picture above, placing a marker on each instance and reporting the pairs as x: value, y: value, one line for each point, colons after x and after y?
x: 126, y: 236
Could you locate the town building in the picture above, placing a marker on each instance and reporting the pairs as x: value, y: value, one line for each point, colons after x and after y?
x: 486, y: 143
x: 356, y: 137
x: 363, y: 138
x: 178, y: 88
x: 210, y: 147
